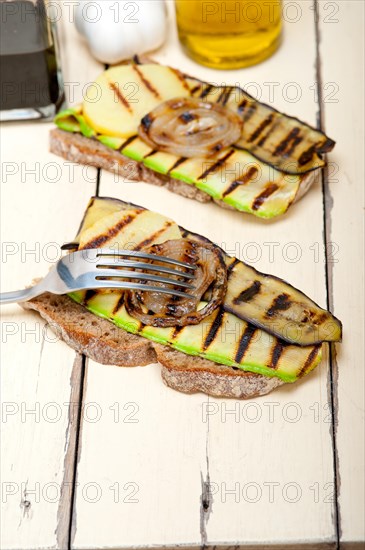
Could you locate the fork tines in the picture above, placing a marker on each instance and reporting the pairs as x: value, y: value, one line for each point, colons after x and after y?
x: 143, y: 256
x: 108, y: 262
x: 111, y: 263
x: 119, y: 274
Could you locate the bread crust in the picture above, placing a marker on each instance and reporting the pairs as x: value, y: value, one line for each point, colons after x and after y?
x: 105, y: 343
x: 93, y: 336
x: 78, y: 148
x: 193, y: 374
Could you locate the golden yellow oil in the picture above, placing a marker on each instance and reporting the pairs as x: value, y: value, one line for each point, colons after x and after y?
x: 229, y: 34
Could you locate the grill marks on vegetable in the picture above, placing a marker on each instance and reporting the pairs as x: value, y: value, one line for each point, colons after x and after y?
x: 115, y: 87
x: 194, y: 89
x: 146, y: 82
x: 306, y: 156
x: 101, y: 240
x: 206, y: 91
x: 250, y: 112
x: 258, y: 131
x: 89, y: 294
x: 181, y: 78
x: 249, y: 293
x: 246, y: 339
x: 150, y: 154
x: 216, y: 165
x: 127, y: 142
x: 310, y: 360
x: 277, y: 350
x: 260, y: 199
x: 242, y: 105
x: 267, y: 135
x: 248, y: 176
x: 176, y: 333
x: 231, y: 267
x: 152, y: 238
x: 214, y: 328
x: 244, y: 343
x: 224, y: 95
x: 176, y: 164
x: 219, y: 164
x: 280, y: 303
x: 291, y: 139
x: 119, y: 304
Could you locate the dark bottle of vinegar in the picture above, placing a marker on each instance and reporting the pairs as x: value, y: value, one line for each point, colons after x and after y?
x: 30, y: 76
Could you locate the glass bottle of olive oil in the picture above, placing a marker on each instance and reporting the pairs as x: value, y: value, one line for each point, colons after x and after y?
x: 229, y: 34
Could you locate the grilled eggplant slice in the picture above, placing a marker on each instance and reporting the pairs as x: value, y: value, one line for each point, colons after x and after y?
x: 265, y: 301
x: 282, y: 141
x: 278, y: 307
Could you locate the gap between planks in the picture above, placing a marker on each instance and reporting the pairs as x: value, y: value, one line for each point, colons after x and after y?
x: 66, y: 524
x: 332, y: 380
x: 67, y: 499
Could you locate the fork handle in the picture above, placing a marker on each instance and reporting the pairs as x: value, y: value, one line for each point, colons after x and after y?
x: 19, y: 295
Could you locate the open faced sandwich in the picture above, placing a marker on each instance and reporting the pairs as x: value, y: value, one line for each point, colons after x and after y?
x: 153, y: 123
x: 241, y: 334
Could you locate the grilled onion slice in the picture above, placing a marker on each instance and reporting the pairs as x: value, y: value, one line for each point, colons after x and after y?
x: 161, y: 310
x: 190, y: 127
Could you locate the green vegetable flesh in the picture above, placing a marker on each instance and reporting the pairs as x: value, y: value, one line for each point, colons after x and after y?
x: 221, y: 337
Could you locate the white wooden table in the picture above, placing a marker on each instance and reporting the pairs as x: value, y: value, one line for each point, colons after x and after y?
x: 104, y: 457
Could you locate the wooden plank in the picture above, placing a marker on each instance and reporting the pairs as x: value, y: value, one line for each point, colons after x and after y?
x: 270, y: 452
x: 36, y: 367
x: 40, y: 197
x: 343, y: 117
x: 274, y: 451
x: 142, y: 455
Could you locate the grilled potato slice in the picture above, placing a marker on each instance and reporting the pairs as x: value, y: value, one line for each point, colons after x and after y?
x: 121, y: 96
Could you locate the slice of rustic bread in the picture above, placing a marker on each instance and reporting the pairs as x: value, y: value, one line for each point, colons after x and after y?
x: 105, y: 343
x: 86, y: 333
x: 78, y: 148
x: 193, y: 374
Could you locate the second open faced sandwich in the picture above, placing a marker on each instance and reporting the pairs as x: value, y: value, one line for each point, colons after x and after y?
x: 242, y: 333
x: 153, y: 123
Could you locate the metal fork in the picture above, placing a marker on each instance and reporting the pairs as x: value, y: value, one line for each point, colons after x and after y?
x: 100, y: 268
